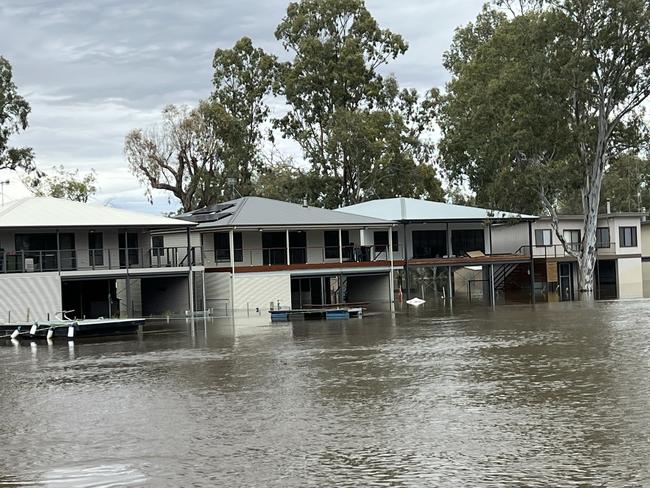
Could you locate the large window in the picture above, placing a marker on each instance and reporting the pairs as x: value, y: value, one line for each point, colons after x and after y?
x: 129, y: 244
x: 465, y: 240
x: 429, y: 243
x: 331, y: 238
x: 222, y: 247
x: 40, y: 251
x: 627, y: 236
x: 572, y: 238
x: 543, y: 237
x: 380, y: 239
x: 298, y: 247
x: 602, y: 237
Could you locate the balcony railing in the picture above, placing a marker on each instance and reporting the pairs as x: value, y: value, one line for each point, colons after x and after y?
x: 98, y: 259
x: 271, y: 256
x: 557, y: 250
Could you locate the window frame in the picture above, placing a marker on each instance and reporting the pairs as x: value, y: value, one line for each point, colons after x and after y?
x: 384, y: 245
x: 543, y: 233
x: 622, y: 236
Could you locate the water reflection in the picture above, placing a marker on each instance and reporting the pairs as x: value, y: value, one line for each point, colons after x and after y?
x: 462, y: 397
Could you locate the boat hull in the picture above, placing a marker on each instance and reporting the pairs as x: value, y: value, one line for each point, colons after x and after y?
x: 82, y: 328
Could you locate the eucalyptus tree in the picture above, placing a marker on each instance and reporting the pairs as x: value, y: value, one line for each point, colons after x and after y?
x: 362, y: 135
x: 193, y: 152
x: 14, y: 110
x: 542, y: 101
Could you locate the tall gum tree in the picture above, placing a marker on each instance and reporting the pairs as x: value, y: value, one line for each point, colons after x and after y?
x: 542, y: 101
x: 362, y: 135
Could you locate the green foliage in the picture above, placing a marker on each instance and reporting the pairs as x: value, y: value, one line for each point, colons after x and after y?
x: 362, y: 135
x: 63, y: 184
x: 13, y: 119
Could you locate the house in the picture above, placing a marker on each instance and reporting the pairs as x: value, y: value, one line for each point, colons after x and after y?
x: 260, y: 253
x: 619, y: 255
x: 446, y: 250
x: 96, y: 261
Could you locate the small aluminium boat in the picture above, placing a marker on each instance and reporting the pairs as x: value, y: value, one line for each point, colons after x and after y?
x: 77, y: 328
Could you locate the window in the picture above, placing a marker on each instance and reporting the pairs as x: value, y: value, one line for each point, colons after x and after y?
x: 627, y: 236
x: 543, y: 237
x: 298, y: 247
x: 466, y: 240
x: 429, y: 243
x: 41, y: 249
x: 222, y: 247
x: 331, y: 238
x: 381, y: 241
x: 129, y: 243
x: 602, y: 237
x: 96, y: 249
x: 572, y: 238
x: 157, y: 246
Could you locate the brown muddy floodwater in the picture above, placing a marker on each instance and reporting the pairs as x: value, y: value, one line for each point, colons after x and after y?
x: 558, y: 396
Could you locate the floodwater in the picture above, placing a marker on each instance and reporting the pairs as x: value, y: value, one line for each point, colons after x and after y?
x: 474, y: 397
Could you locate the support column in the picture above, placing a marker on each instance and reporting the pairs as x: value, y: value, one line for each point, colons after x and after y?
x: 58, y: 253
x: 205, y: 300
x: 231, y: 239
x: 493, y: 298
x: 406, y: 264
x: 449, y: 247
x: 190, y: 272
x: 129, y: 311
x: 532, y: 262
x: 392, y: 269
x: 288, y: 247
x: 450, y: 290
x: 490, y: 238
x: 340, y: 246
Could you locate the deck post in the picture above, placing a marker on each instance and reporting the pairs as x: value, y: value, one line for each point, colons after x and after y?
x: 448, y: 236
x: 190, y: 272
x: 340, y: 246
x: 406, y: 264
x: 288, y: 253
x: 58, y: 253
x: 391, y: 285
x: 205, y: 300
x: 450, y: 292
x: 493, y: 298
x: 532, y: 262
x: 128, y: 295
x: 231, y: 239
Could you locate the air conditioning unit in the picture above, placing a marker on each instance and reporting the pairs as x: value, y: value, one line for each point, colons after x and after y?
x: 29, y: 265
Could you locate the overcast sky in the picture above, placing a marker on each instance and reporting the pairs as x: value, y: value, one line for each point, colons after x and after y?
x: 93, y: 70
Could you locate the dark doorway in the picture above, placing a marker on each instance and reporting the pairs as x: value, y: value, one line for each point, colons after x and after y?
x: 606, y: 280
x: 565, y: 277
x: 306, y: 292
x: 465, y: 240
x: 298, y: 247
x: 274, y: 248
x: 90, y: 299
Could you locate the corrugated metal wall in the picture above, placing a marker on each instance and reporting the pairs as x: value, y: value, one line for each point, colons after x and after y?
x: 39, y: 294
x: 254, y: 291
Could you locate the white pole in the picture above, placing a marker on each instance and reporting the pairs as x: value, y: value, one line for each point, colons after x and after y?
x: 340, y: 246
x: 231, y: 236
x: 288, y: 253
x: 392, y: 271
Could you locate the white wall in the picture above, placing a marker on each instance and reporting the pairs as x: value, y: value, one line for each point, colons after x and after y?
x: 40, y: 293
x: 258, y: 290
x: 629, y: 277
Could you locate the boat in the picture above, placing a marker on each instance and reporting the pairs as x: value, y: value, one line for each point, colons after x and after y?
x: 77, y: 328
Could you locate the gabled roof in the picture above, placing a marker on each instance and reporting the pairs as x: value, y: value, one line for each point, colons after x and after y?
x: 414, y: 210
x: 57, y: 212
x: 257, y: 212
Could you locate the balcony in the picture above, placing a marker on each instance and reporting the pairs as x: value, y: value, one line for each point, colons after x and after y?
x: 98, y: 259
x: 556, y: 251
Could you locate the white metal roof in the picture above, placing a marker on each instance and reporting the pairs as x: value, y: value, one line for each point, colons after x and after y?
x: 260, y: 212
x: 411, y: 209
x: 57, y: 212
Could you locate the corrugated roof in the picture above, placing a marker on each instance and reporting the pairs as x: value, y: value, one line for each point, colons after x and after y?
x: 411, y: 209
x: 265, y: 212
x: 57, y: 212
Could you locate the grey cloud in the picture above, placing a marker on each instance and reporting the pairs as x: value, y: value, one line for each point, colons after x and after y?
x: 93, y: 70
